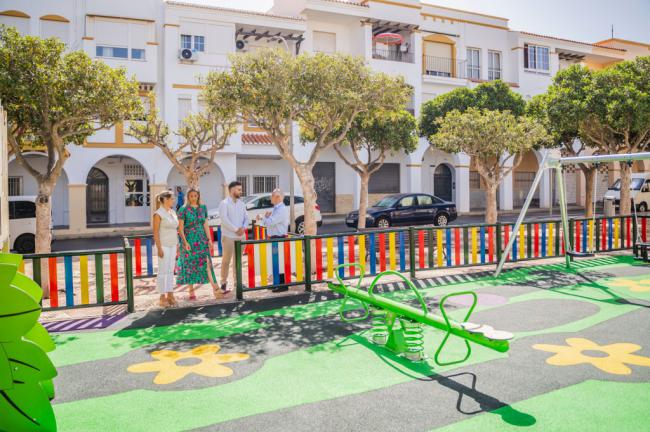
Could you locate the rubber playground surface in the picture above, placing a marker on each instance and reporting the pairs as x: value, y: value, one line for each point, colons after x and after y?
x: 580, y: 360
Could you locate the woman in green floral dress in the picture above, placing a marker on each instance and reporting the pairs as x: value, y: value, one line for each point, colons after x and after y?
x: 194, y: 262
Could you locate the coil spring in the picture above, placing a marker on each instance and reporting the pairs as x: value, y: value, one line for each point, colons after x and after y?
x: 414, y: 339
x: 380, y: 328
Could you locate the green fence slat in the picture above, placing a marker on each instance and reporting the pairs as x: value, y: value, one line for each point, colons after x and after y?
x: 622, y: 227
x: 431, y: 246
x: 36, y: 269
x: 529, y: 240
x: 597, y: 229
x: 558, y: 235
x: 99, y: 278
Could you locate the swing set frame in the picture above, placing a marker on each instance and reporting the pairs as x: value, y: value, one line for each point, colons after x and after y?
x: 555, y: 163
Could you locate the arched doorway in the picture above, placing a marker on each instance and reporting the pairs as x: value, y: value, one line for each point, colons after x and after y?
x: 97, y: 197
x: 443, y: 182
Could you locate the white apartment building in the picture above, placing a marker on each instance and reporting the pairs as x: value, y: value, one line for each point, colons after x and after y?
x: 107, y: 182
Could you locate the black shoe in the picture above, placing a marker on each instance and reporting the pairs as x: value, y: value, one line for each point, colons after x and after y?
x: 280, y: 289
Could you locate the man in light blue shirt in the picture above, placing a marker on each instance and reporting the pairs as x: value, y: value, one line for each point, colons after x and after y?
x: 234, y: 222
x: 276, y: 222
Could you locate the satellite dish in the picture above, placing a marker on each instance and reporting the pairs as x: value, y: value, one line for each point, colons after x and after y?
x: 240, y: 44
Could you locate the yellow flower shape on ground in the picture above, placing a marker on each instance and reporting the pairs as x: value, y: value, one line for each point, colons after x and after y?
x: 613, y: 358
x: 204, y: 361
x: 642, y: 285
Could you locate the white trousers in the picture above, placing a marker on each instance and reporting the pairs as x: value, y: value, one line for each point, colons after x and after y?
x: 166, y: 264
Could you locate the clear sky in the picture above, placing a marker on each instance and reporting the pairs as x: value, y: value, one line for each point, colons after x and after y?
x: 582, y: 20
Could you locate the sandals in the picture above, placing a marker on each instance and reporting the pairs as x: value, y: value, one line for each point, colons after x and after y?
x: 225, y: 289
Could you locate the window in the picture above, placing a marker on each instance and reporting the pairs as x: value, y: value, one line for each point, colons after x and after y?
x: 15, y: 186
x: 22, y: 210
x: 264, y: 184
x: 195, y: 43
x: 473, y: 63
x: 424, y: 200
x: 474, y: 180
x: 324, y: 42
x: 296, y: 200
x: 244, y: 184
x: 408, y: 201
x: 136, y: 189
x: 113, y: 52
x: 494, y: 65
x: 264, y: 202
x: 536, y: 58
x: 137, y: 54
x: 385, y: 180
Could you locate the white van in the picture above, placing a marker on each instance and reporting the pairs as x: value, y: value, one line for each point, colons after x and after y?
x: 639, y: 191
x: 22, y: 223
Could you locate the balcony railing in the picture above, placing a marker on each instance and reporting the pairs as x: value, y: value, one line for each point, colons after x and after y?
x: 444, y: 67
x: 391, y: 55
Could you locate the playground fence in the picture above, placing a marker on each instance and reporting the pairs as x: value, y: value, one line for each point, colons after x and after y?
x: 306, y: 260
x: 83, y: 278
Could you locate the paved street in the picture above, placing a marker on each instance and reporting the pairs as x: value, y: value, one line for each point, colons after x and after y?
x: 331, y: 225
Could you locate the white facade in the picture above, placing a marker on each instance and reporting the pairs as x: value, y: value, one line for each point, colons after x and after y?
x: 443, y: 49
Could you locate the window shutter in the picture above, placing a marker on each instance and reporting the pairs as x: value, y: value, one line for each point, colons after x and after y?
x: 526, y: 56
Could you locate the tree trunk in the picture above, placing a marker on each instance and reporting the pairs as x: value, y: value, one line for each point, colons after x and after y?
x: 625, y: 206
x: 43, y: 241
x: 363, y: 200
x: 590, y: 188
x: 306, y: 178
x: 192, y: 179
x: 491, y: 203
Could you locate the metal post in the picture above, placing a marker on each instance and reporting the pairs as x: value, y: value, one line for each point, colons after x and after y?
x: 238, y: 280
x: 128, y: 274
x: 522, y: 215
x: 563, y: 213
x: 307, y: 258
x: 412, y: 252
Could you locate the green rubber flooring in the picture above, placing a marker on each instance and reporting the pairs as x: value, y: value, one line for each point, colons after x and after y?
x: 580, y: 360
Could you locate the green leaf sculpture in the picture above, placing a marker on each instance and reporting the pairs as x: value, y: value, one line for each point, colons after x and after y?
x: 26, y: 371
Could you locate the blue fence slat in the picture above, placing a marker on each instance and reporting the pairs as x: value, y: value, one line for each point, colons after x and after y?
x: 482, y: 245
x: 69, y: 294
x: 515, y: 249
x: 219, y: 245
x: 149, y: 257
x: 372, y: 254
x: 584, y: 236
x: 275, y: 262
x: 610, y: 238
x: 448, y: 246
x: 543, y: 240
x: 341, y: 256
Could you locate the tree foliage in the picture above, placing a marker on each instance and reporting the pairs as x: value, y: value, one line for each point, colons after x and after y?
x: 493, y: 139
x: 493, y: 95
x: 371, y: 138
x: 54, y: 98
x: 322, y: 93
x: 202, y: 135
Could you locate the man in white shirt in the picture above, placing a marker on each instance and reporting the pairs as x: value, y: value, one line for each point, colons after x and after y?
x: 234, y: 223
x: 276, y: 222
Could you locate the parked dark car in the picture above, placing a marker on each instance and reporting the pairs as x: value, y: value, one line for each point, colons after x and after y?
x: 406, y: 209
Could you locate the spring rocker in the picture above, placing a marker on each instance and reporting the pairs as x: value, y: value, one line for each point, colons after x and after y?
x: 399, y: 327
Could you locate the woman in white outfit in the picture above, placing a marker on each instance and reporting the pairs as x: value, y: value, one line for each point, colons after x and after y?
x: 165, y: 234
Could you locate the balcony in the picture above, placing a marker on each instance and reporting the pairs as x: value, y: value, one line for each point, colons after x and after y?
x: 393, y: 55
x: 444, y: 67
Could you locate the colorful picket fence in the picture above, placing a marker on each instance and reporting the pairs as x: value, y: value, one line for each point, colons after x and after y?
x: 83, y: 279
x: 263, y: 264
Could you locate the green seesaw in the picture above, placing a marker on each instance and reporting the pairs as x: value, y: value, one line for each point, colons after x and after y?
x: 407, y: 338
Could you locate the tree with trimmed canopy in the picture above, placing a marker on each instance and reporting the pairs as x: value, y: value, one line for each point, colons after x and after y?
x: 372, y: 137
x: 54, y: 98
x: 322, y: 93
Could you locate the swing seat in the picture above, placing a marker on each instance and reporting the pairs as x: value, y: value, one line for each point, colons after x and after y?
x: 575, y: 254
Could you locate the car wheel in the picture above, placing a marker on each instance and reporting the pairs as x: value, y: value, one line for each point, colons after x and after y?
x: 300, y: 225
x: 26, y: 243
x: 643, y: 207
x: 441, y: 219
x: 382, y: 222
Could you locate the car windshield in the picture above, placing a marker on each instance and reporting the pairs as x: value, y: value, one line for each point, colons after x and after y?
x: 248, y: 198
x: 386, y: 202
x: 635, y: 184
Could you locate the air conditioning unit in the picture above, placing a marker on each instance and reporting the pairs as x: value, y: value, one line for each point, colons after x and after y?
x: 240, y: 45
x: 187, y: 54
